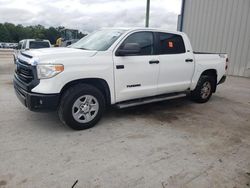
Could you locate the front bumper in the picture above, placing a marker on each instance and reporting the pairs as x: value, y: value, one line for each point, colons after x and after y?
x: 36, y: 101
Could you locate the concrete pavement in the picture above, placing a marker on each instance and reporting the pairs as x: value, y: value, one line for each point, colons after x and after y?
x: 176, y: 143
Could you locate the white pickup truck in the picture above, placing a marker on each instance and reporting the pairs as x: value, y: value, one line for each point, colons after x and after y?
x: 27, y: 44
x: 119, y: 67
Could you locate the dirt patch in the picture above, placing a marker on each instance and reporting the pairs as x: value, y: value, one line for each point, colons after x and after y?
x: 24, y: 181
x: 8, y: 82
x: 3, y: 183
x: 137, y: 136
x: 166, y: 117
x: 235, y: 140
x: 152, y: 112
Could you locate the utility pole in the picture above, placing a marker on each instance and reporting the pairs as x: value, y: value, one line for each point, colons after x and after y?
x: 147, y: 13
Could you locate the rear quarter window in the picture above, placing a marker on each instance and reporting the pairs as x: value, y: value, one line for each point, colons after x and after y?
x: 171, y: 44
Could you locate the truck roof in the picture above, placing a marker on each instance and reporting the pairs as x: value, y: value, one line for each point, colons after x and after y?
x: 144, y: 29
x: 45, y: 40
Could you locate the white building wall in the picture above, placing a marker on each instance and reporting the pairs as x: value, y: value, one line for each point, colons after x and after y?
x: 220, y: 26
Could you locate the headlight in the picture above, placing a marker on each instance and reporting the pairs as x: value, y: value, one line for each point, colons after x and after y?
x: 48, y: 70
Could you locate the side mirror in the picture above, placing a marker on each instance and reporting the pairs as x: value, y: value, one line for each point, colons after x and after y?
x: 129, y: 49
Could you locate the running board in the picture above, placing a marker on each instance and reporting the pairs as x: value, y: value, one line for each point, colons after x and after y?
x: 148, y: 100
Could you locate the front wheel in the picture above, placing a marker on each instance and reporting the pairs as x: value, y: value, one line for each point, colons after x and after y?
x: 81, y: 106
x: 204, y: 89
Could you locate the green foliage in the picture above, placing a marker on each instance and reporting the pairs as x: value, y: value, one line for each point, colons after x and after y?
x: 14, y: 33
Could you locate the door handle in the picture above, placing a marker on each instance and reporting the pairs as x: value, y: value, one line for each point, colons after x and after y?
x: 119, y: 66
x: 154, y: 62
x: 189, y: 60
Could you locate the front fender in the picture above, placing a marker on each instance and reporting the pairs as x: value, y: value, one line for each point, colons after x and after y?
x: 78, y: 71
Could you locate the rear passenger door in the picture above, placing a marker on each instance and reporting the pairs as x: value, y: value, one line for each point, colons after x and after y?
x: 176, y: 64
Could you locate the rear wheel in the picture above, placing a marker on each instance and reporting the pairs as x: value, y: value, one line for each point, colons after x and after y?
x: 81, y: 106
x: 204, y: 89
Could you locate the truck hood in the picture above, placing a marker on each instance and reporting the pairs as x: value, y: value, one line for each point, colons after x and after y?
x: 56, y: 53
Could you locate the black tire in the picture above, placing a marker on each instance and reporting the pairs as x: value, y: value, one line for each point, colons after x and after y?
x: 197, y: 94
x: 74, y: 94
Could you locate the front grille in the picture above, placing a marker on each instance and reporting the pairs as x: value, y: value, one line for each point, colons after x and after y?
x: 24, y: 71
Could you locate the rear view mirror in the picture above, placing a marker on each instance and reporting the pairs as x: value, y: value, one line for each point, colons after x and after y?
x: 129, y: 49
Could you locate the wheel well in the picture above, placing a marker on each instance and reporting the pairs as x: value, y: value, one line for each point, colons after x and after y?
x: 100, y: 84
x: 212, y: 73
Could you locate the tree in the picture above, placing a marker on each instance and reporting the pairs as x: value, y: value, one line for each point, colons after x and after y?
x: 14, y: 33
x: 4, y: 34
x: 52, y: 34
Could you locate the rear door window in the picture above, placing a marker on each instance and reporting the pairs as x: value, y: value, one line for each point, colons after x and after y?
x: 171, y: 43
x: 39, y: 44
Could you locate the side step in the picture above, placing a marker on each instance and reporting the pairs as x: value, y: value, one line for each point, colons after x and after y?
x: 147, y: 100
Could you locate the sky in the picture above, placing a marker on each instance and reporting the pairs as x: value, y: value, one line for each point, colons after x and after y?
x: 89, y: 15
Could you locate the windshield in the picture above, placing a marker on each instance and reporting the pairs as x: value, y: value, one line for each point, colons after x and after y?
x: 99, y: 40
x: 38, y: 44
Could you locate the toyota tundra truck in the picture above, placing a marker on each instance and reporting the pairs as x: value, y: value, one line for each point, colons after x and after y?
x: 122, y: 67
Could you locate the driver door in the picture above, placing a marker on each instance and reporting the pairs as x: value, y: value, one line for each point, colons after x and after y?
x: 136, y: 74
